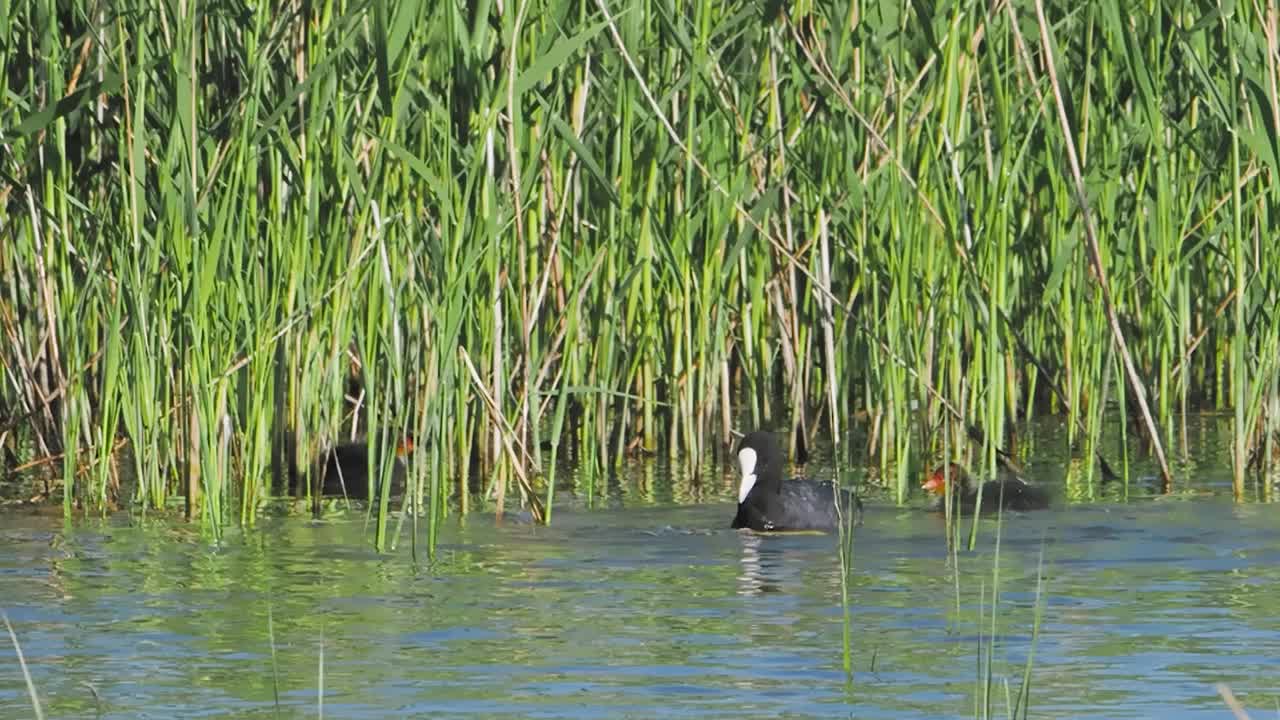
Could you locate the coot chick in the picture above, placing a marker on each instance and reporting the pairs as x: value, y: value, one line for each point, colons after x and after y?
x: 345, y: 469
x: 766, y: 503
x: 1007, y: 492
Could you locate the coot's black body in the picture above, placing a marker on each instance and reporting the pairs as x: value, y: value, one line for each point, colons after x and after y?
x: 768, y: 503
x: 345, y: 471
x: 1006, y: 492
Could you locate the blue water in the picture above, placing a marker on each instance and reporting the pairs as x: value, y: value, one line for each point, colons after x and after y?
x: 650, y: 609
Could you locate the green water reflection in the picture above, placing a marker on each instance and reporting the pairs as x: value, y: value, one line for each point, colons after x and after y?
x: 648, y: 606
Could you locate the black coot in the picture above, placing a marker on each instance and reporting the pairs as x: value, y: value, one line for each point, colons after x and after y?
x: 766, y: 503
x: 1007, y: 492
x: 345, y: 470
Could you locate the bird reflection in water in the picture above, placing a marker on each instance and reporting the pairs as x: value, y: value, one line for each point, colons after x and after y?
x: 760, y: 566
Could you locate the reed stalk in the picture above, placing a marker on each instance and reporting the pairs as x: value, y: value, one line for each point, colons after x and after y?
x: 36, y: 707
x: 648, y: 224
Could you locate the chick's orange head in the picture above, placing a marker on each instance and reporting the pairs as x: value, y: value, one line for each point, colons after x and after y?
x: 936, y: 483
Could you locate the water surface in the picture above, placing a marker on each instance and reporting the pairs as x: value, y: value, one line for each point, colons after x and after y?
x: 655, y: 610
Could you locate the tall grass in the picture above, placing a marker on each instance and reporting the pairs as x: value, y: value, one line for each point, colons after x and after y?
x: 26, y: 671
x: 618, y: 227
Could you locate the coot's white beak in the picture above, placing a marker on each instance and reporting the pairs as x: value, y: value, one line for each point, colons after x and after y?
x: 747, y: 463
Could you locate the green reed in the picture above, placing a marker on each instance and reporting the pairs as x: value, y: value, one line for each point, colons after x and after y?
x: 535, y: 230
x: 36, y: 707
x: 991, y: 622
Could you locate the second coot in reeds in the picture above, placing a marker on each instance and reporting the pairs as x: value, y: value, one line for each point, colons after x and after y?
x: 1007, y: 491
x: 344, y: 470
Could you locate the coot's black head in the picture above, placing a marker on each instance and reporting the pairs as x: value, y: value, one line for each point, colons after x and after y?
x: 760, y: 460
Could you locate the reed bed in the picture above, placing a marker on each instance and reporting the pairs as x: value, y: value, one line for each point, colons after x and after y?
x: 529, y: 231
